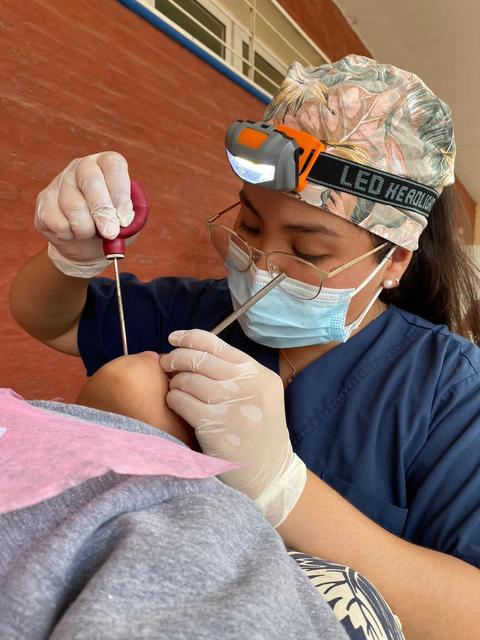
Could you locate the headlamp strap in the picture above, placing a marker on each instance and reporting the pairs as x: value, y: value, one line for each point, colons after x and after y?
x: 372, y: 184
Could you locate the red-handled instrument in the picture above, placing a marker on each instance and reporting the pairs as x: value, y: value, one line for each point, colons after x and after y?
x: 115, y: 249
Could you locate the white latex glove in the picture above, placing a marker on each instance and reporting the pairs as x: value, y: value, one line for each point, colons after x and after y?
x: 236, y: 407
x: 91, y: 193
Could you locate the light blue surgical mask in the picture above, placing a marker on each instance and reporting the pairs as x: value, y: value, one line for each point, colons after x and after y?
x: 282, y: 320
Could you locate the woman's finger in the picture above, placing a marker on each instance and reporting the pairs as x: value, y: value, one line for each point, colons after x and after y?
x: 197, y: 361
x: 74, y: 207
x: 115, y: 169
x: 50, y: 218
x: 204, y: 389
x: 206, y: 341
x: 198, y: 414
x: 91, y: 182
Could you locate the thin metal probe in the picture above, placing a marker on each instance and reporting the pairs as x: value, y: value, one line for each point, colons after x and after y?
x: 121, y: 317
x: 249, y: 303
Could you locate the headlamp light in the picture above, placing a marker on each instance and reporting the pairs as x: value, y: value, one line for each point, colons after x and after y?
x: 251, y: 171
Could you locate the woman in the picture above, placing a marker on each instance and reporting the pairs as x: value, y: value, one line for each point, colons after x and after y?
x: 381, y: 399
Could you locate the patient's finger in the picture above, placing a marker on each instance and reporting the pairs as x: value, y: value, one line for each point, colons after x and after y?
x: 207, y: 390
x: 206, y: 341
x: 197, y: 361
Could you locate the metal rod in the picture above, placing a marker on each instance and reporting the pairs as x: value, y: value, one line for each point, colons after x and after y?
x: 285, y: 40
x: 249, y: 303
x: 120, y: 308
x: 251, y: 51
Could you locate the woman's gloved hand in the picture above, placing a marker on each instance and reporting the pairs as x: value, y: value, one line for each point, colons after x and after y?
x: 90, y: 193
x: 236, y: 407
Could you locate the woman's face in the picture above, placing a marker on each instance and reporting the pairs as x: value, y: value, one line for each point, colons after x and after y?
x: 274, y: 221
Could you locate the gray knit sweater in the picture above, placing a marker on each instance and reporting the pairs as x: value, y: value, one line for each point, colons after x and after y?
x: 134, y: 557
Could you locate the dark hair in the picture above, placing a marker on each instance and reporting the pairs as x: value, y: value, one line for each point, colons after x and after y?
x: 441, y: 281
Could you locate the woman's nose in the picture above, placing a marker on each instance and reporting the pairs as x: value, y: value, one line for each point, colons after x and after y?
x: 259, y: 259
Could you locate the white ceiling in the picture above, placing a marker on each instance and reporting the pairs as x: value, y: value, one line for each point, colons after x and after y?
x: 439, y: 40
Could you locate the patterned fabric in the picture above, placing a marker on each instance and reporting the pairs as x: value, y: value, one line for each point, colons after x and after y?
x: 355, y: 602
x: 376, y: 115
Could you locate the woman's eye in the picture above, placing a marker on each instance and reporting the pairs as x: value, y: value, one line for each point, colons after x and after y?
x: 242, y: 226
x: 307, y: 257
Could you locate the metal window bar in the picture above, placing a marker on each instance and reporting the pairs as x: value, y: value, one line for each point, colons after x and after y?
x: 251, y: 51
x: 258, y: 13
x: 299, y: 30
x: 237, y: 54
x: 252, y: 6
x: 250, y: 32
x: 282, y: 37
x: 204, y: 28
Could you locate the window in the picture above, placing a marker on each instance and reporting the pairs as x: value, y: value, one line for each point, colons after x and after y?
x: 264, y: 73
x: 204, y: 27
x: 256, y: 39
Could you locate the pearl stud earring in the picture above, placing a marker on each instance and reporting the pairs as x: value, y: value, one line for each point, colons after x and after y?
x: 388, y: 283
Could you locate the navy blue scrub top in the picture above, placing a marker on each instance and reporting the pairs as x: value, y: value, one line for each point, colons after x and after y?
x: 390, y: 419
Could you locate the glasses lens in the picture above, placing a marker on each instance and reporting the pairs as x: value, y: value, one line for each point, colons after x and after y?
x: 304, y: 279
x: 231, y: 248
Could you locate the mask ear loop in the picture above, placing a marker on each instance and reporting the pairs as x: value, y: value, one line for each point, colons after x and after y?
x: 351, y: 327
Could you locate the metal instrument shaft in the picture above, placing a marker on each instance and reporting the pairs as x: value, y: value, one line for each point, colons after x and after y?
x: 121, y: 316
x: 249, y: 303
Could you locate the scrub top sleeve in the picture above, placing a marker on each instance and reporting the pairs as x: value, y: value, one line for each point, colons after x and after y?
x: 152, y: 311
x: 444, y: 479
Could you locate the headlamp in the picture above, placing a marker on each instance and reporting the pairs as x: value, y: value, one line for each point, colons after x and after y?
x: 282, y: 158
x: 275, y: 157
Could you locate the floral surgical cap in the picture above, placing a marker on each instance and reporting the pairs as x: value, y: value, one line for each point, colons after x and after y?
x: 378, y: 116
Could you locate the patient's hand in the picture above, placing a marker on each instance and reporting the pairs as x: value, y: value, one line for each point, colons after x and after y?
x: 136, y: 386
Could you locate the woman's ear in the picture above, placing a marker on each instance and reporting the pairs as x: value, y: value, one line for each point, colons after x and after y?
x: 398, y: 264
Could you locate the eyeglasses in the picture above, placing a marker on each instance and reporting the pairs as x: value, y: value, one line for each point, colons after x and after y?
x: 239, y: 255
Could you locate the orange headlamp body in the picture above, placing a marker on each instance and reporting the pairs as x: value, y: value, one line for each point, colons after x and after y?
x: 274, y: 156
x: 310, y: 149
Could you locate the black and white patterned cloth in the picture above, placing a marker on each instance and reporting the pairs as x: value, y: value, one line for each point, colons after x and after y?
x: 355, y: 602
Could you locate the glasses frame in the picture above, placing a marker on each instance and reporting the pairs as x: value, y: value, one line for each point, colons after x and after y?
x: 254, y: 252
